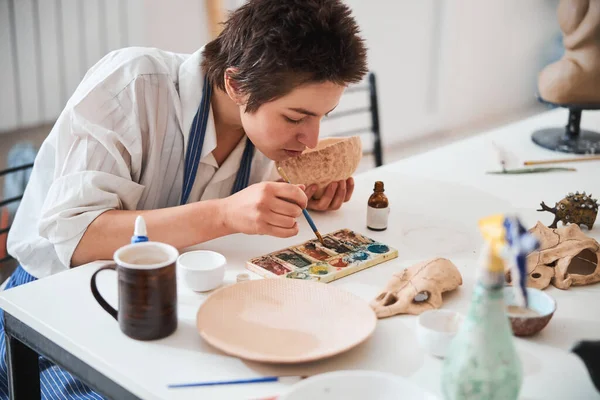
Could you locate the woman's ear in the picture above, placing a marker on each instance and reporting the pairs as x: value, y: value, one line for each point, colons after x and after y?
x: 232, y: 88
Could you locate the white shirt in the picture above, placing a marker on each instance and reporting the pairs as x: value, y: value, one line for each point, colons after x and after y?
x: 119, y: 144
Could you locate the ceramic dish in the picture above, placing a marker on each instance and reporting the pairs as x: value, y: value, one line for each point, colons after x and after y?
x: 356, y: 385
x: 529, y: 322
x: 284, y: 320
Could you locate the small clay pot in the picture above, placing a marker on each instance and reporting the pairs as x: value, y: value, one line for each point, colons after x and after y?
x: 334, y: 159
x: 528, y: 322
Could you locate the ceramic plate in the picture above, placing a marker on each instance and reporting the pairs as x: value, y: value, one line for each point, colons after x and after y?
x: 284, y: 320
x: 356, y: 385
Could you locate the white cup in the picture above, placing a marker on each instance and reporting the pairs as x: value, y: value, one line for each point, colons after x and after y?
x: 436, y: 329
x: 202, y: 270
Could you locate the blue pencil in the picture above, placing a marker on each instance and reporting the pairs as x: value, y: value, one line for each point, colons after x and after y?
x: 306, y: 215
x: 230, y: 382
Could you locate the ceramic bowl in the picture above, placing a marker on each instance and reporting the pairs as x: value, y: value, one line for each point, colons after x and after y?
x: 356, y: 385
x: 541, y: 309
x: 334, y: 159
x: 436, y: 329
x: 202, y: 270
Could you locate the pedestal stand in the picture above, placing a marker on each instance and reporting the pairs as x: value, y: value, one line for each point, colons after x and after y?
x: 570, y: 139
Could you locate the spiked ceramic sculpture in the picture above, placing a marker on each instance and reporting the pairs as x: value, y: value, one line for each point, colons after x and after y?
x: 334, y: 159
x: 579, y: 209
x: 417, y: 288
x: 575, y: 78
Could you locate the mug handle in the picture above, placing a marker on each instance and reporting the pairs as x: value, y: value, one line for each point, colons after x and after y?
x: 107, y: 307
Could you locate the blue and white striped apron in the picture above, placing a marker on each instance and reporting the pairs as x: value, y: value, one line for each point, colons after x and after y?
x: 57, y: 383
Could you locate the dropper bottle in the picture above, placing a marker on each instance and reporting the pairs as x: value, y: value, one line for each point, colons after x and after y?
x: 139, y: 234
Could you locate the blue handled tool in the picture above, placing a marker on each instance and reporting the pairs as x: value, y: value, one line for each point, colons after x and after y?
x: 235, y: 381
x: 306, y: 215
x: 520, y: 244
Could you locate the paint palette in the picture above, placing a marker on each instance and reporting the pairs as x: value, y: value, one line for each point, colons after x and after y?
x: 345, y: 252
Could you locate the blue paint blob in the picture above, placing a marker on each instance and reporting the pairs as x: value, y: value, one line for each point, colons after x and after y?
x: 360, y: 256
x: 378, y: 248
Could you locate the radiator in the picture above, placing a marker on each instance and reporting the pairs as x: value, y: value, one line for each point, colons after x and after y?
x: 47, y: 46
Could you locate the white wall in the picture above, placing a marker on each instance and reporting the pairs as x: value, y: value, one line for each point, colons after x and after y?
x: 176, y: 25
x: 48, y: 45
x: 440, y: 64
x: 401, y: 36
x: 492, y: 52
x: 448, y: 64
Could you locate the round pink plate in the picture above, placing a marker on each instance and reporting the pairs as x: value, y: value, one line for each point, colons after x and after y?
x: 284, y: 320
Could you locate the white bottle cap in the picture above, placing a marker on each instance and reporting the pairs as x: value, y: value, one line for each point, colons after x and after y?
x: 140, y: 227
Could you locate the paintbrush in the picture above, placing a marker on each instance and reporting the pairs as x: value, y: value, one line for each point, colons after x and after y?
x: 235, y: 381
x: 306, y: 215
x: 529, y: 170
x: 564, y: 160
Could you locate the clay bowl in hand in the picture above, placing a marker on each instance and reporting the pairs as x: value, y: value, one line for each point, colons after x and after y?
x: 334, y: 159
x: 527, y: 322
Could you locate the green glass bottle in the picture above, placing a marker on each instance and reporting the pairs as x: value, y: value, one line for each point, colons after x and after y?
x: 482, y: 362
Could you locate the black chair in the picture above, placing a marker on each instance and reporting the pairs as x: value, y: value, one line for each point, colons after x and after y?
x: 372, y: 108
x: 7, y: 263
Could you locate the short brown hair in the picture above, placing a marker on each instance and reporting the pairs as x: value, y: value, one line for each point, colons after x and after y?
x: 276, y: 45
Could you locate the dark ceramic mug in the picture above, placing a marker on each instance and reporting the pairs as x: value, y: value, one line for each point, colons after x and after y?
x: 147, y: 290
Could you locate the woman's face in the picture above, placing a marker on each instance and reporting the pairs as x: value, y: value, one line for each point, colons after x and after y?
x: 285, y: 127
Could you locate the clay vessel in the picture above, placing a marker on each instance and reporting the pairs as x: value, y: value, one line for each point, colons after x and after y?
x: 334, y: 159
x: 531, y: 320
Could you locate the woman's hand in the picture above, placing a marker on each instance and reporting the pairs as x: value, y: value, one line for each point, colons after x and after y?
x: 267, y: 208
x: 335, y: 195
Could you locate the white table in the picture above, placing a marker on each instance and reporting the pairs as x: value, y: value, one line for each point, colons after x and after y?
x: 436, y: 198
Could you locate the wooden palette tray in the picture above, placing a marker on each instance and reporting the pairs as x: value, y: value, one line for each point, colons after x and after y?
x: 345, y: 252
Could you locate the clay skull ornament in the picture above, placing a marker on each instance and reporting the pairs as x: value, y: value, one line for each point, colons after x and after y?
x: 417, y: 288
x: 566, y: 257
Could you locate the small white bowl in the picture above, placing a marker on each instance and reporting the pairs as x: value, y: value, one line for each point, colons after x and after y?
x: 202, y: 270
x: 436, y: 329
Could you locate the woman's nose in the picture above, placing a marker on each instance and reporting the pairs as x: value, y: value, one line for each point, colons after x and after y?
x: 310, y: 136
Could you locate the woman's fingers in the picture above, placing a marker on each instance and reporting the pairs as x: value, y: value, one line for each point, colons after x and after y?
x: 325, y: 201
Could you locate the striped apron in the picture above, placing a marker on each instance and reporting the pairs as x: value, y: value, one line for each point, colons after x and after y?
x: 57, y: 383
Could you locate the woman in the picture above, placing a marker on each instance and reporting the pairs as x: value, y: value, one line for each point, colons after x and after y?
x: 187, y: 141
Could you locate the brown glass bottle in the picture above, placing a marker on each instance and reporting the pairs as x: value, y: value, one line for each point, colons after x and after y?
x: 378, y: 209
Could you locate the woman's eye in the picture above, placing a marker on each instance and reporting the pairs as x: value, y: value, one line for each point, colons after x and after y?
x: 293, y: 121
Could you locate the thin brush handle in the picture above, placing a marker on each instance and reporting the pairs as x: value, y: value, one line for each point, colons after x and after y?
x: 310, y: 221
x: 232, y: 382
x: 306, y: 214
x: 235, y: 381
x: 564, y: 160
